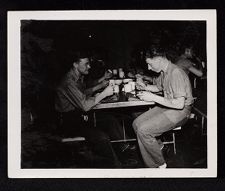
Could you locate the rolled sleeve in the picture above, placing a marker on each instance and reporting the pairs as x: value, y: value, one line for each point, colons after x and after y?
x: 178, y: 84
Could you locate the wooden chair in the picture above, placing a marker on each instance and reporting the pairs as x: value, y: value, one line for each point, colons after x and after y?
x: 173, y: 141
x: 69, y: 139
x: 203, y: 117
x: 173, y: 133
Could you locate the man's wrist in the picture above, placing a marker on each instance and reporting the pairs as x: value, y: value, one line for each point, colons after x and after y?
x: 147, y: 88
x: 99, y: 97
x: 102, y: 79
x: 103, y: 93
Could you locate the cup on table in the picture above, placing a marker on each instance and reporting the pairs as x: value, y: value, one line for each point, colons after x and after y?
x: 115, y: 72
x: 127, y: 88
x: 116, y: 89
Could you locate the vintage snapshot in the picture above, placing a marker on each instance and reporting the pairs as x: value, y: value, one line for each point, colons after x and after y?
x: 128, y: 94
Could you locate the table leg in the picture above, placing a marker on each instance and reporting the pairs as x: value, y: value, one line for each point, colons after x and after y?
x: 124, y: 131
x: 94, y: 116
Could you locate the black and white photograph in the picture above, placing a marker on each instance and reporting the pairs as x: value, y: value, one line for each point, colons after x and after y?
x: 112, y: 94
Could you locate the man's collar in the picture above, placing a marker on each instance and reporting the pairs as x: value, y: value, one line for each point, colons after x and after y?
x: 165, y: 69
x: 76, y: 74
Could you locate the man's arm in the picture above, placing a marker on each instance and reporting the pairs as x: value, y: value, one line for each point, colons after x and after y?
x: 148, y: 78
x: 108, y: 91
x: 152, y: 88
x: 77, y: 98
x: 177, y: 103
x: 195, y: 71
x: 105, y: 77
x: 142, y: 86
x: 191, y: 66
x: 99, y: 86
x: 144, y: 77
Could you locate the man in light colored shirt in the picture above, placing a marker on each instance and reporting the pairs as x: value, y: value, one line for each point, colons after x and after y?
x: 172, y: 109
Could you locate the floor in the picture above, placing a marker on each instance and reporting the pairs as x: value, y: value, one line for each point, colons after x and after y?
x: 190, y: 143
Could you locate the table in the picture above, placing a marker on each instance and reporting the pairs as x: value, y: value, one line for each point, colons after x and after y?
x: 122, y: 104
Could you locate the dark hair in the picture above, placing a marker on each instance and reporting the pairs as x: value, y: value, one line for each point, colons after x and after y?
x: 67, y: 58
x: 75, y: 56
x: 187, y: 46
x: 154, y: 51
x: 157, y: 50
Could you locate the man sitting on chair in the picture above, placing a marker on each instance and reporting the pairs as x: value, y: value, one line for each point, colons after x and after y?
x: 173, y: 109
x: 73, y: 103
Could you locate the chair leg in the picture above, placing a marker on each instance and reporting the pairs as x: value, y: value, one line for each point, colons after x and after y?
x: 94, y: 117
x: 202, y: 125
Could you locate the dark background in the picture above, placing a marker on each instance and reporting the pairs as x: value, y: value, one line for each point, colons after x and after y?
x: 48, y: 45
x: 111, y: 184
x: 117, y: 39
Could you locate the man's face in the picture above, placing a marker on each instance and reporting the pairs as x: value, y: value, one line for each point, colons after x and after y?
x: 154, y: 64
x: 83, y: 66
x: 188, y: 52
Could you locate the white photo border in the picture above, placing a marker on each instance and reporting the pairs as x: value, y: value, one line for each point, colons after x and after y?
x: 14, y: 92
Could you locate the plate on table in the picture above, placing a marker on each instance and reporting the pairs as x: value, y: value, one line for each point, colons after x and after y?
x: 127, y: 80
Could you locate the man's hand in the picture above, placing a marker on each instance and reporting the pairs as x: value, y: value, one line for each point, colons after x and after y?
x: 130, y: 75
x: 140, y: 85
x: 138, y: 76
x: 108, y: 75
x: 146, y: 96
x: 108, y: 91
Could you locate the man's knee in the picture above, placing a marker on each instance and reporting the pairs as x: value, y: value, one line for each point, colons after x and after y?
x: 146, y: 130
x: 138, y: 127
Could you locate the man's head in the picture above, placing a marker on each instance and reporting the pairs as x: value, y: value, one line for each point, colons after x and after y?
x: 155, y: 58
x: 188, y: 52
x: 81, y: 63
x: 155, y: 63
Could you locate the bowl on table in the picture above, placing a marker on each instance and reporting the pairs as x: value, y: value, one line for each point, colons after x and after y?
x: 127, y: 80
x: 118, y: 82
